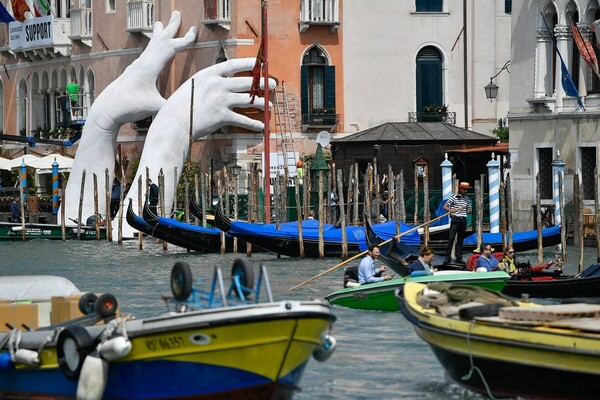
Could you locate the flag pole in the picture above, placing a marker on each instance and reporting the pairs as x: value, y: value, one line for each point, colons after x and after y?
x: 267, y: 144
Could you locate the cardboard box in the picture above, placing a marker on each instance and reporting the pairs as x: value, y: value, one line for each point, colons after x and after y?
x: 64, y: 308
x: 18, y: 314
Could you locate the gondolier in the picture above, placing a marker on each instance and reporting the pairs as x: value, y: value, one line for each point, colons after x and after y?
x: 459, y: 205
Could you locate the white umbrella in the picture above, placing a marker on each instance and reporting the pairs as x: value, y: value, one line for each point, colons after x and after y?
x: 44, y: 164
x: 16, y: 162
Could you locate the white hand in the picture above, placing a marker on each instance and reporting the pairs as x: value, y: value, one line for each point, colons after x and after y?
x: 216, y: 93
x: 132, y: 96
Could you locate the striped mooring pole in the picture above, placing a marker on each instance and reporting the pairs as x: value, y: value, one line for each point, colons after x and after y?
x: 55, y: 187
x: 494, y: 187
x: 446, y: 178
x: 558, y: 167
x: 24, y: 180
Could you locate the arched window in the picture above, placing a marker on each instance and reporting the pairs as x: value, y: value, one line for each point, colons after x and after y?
x: 22, y: 108
x: 221, y: 56
x: 317, y: 89
x: 429, y: 78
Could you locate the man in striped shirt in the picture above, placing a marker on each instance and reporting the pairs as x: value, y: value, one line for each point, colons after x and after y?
x: 459, y: 205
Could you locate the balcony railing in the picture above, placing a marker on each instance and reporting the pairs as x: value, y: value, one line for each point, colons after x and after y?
x: 82, y: 25
x: 217, y: 12
x: 319, y: 12
x: 59, y: 45
x: 140, y: 16
x: 447, y: 117
x: 318, y: 120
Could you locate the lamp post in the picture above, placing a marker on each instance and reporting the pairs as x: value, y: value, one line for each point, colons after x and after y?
x: 491, y: 89
x: 235, y: 169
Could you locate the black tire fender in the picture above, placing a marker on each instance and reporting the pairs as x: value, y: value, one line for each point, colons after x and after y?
x: 243, y: 270
x: 485, y: 310
x: 106, y: 305
x: 181, y: 281
x: 73, y: 345
x: 87, y: 303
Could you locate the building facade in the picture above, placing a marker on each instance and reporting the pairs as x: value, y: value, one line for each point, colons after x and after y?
x: 547, y: 124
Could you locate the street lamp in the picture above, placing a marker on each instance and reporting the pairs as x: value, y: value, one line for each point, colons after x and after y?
x: 235, y: 169
x: 491, y: 89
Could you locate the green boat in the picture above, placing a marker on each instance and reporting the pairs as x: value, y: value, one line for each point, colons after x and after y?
x: 14, y: 231
x: 380, y: 296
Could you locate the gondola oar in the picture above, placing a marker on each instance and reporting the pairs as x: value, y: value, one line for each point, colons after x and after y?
x: 365, y: 252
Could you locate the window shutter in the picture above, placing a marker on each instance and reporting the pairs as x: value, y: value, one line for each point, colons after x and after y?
x: 304, y: 90
x: 330, y: 86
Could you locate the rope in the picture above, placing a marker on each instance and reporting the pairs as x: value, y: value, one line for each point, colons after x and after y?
x: 474, y: 368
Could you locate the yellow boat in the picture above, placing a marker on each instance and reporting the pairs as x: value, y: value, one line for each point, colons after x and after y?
x: 504, y: 348
x: 235, y: 351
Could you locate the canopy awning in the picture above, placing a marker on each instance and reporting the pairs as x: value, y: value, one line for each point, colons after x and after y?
x: 16, y: 162
x: 44, y: 164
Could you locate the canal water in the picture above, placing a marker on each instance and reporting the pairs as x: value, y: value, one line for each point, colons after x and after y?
x: 378, y: 356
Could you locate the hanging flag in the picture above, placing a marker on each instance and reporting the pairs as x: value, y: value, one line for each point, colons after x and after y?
x: 566, y: 80
x: 585, y: 49
x: 19, y: 8
x: 5, y: 15
x: 42, y: 8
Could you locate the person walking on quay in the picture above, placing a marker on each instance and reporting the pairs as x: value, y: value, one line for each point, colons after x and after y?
x: 459, y: 206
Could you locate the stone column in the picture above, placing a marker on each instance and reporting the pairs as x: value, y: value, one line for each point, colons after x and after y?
x: 543, y: 61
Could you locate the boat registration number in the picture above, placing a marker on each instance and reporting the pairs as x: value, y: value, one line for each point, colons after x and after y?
x: 164, y: 343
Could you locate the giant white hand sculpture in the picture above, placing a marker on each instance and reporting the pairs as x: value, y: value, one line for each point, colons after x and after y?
x: 216, y: 93
x: 131, y: 97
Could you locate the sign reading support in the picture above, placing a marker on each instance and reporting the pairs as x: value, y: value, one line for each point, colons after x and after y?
x: 36, y: 32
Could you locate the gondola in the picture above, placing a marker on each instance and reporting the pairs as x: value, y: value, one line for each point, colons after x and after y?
x: 189, y: 237
x: 285, y: 240
x: 396, y: 255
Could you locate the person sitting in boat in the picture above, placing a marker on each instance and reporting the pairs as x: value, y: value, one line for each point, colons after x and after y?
x: 15, y: 210
x: 487, y: 260
x: 509, y: 261
x: 367, y: 273
x: 423, y: 263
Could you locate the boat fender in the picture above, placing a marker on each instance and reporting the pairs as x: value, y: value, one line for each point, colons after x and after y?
x: 6, y: 362
x: 92, y: 378
x: 420, y: 272
x: 326, y: 350
x: 74, y: 343
x: 115, y: 348
x: 27, y: 357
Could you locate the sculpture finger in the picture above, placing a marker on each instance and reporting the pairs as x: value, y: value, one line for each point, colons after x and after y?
x: 244, y: 83
x: 231, y: 67
x: 187, y: 40
x: 158, y: 28
x: 242, y: 100
x: 173, y: 25
x: 244, y: 122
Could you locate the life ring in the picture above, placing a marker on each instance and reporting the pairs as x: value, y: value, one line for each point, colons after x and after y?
x: 242, y: 269
x: 106, y: 305
x: 87, y: 303
x: 181, y: 281
x: 72, y: 347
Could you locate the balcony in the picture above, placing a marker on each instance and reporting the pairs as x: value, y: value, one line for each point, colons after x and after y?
x: 318, y: 119
x: 445, y: 117
x: 82, y: 25
x: 52, y: 41
x: 319, y: 12
x: 140, y: 17
x: 217, y: 12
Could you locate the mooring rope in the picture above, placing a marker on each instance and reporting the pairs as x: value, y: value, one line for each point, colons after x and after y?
x: 473, y: 367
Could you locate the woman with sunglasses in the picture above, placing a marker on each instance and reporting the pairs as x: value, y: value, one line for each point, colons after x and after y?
x: 509, y: 261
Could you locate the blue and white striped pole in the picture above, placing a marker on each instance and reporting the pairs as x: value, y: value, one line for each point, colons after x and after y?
x: 446, y: 178
x: 494, y: 187
x: 24, y: 180
x: 558, y: 166
x: 55, y: 187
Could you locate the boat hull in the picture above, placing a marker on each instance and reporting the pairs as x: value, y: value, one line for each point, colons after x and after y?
x: 14, y: 231
x: 239, y: 352
x: 381, y: 296
x: 559, y: 287
x: 515, y: 359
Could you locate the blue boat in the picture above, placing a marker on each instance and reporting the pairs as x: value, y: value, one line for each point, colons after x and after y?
x: 285, y: 240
